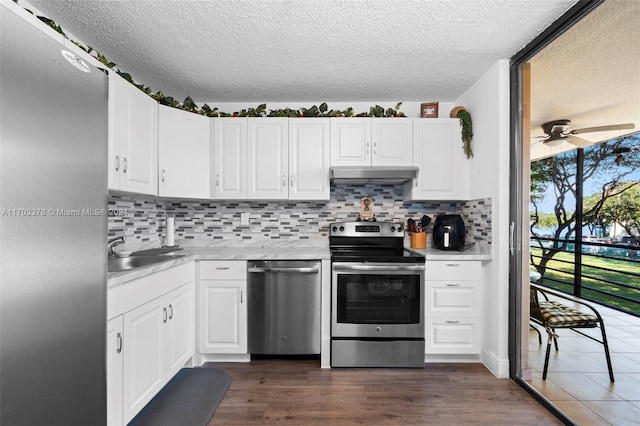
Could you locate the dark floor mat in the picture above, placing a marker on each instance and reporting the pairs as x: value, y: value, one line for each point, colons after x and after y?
x: 189, y: 399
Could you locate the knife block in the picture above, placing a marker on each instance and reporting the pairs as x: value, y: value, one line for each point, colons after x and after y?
x: 419, y: 240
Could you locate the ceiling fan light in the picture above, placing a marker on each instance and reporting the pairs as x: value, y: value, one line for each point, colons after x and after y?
x: 554, y: 143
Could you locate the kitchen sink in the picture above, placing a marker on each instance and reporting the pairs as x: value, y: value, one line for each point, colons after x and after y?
x: 120, y: 264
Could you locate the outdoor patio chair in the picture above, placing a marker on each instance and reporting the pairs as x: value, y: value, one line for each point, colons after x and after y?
x: 552, y: 315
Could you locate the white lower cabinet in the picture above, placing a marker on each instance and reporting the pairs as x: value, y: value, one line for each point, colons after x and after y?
x: 114, y: 371
x: 145, y: 356
x: 151, y: 336
x: 453, y: 307
x: 222, y: 307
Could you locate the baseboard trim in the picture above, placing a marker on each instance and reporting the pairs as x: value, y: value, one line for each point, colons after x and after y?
x: 428, y: 358
x: 202, y: 358
x: 499, y: 367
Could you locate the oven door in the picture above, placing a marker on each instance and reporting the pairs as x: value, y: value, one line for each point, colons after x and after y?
x: 371, y: 300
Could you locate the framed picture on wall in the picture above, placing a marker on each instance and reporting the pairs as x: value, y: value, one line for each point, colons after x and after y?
x: 429, y: 110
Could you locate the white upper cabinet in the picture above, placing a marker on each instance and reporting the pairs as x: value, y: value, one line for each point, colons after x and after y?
x: 229, y: 158
x: 261, y: 158
x: 350, y: 141
x: 268, y: 165
x: 444, y: 168
x: 309, y: 157
x: 391, y: 142
x: 133, y: 138
x: 357, y: 141
x: 184, y: 154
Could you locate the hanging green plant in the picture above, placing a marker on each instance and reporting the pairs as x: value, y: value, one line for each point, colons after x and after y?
x: 463, y: 115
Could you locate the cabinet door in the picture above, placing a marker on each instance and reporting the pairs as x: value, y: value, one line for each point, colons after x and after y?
x: 444, y: 168
x: 133, y: 138
x: 114, y: 371
x: 450, y: 297
x: 351, y: 141
x: 230, y: 158
x: 180, y: 328
x: 223, y: 316
x: 452, y: 335
x: 268, y: 166
x: 184, y: 154
x: 144, y: 355
x: 309, y: 142
x: 392, y: 141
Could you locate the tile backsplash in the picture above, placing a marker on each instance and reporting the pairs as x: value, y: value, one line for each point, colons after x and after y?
x: 141, y: 219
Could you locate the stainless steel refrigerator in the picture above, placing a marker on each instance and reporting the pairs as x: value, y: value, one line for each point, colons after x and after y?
x: 53, y: 227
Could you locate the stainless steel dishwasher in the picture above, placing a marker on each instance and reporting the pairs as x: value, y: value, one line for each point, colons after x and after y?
x: 284, y: 307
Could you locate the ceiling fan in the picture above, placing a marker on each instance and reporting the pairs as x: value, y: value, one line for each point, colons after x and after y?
x: 558, y: 131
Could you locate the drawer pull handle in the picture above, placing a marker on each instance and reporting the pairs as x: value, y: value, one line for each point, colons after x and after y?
x: 453, y: 285
x: 453, y: 264
x: 452, y: 322
x: 222, y: 268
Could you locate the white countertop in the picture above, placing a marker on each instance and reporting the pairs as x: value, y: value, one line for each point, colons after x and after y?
x: 190, y: 254
x: 220, y: 253
x: 480, y: 251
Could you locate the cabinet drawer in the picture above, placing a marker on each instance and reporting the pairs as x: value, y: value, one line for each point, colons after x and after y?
x: 453, y: 335
x: 452, y: 270
x: 223, y: 269
x: 460, y: 298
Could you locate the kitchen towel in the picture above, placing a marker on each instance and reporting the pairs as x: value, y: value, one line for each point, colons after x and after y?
x: 171, y: 229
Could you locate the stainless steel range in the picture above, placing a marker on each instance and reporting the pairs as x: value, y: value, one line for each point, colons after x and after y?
x: 377, y: 297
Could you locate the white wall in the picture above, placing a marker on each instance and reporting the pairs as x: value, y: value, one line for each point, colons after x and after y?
x: 488, y: 102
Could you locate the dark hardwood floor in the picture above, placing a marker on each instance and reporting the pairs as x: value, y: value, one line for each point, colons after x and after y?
x: 299, y: 392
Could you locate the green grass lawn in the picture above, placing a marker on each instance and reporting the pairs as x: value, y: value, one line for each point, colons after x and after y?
x: 621, y: 271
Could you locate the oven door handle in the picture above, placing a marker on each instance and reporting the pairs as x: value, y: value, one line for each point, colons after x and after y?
x: 311, y: 270
x: 378, y: 268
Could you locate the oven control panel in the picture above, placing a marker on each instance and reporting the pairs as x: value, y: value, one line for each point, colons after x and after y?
x: 364, y: 229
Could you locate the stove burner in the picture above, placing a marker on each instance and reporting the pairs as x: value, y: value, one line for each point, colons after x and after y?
x: 380, y: 242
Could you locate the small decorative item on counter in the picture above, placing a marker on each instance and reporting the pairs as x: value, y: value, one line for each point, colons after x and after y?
x: 366, y: 210
x: 467, y: 128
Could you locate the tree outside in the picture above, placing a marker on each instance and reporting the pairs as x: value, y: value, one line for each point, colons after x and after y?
x: 610, y: 203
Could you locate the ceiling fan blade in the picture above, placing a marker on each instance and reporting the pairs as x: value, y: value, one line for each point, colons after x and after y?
x: 579, y: 142
x: 625, y: 126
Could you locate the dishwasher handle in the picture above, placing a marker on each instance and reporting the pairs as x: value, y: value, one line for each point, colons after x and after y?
x: 303, y: 270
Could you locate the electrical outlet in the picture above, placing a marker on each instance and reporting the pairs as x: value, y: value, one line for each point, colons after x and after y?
x: 244, y: 219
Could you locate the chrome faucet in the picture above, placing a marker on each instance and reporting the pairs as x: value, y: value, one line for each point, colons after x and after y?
x: 112, y: 243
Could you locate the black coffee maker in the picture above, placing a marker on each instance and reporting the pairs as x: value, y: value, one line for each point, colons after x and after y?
x: 449, y: 232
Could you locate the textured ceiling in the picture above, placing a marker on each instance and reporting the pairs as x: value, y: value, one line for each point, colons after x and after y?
x: 589, y: 75
x: 306, y: 50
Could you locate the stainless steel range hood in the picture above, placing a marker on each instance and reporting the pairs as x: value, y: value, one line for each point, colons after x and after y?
x: 382, y: 175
